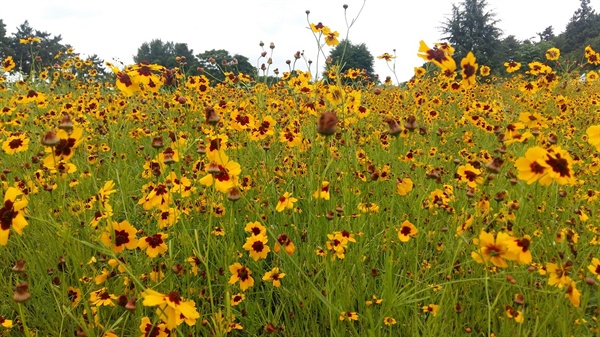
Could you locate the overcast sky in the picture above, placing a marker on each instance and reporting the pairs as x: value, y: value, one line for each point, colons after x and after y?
x: 115, y: 29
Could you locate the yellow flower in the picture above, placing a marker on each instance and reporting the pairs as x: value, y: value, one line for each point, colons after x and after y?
x: 595, y: 267
x: 469, y: 70
x: 512, y: 66
x: 331, y: 38
x: 274, y: 276
x: 15, y: 143
x: 323, y: 192
x: 432, y: 309
x: 256, y: 246
x: 496, y: 250
x: 533, y: 166
x: 172, y: 309
x: 242, y: 274
x: 102, y: 298
x: 403, y: 186
x: 438, y: 56
x: 573, y: 294
x: 154, y: 245
x: 285, y: 202
x: 12, y: 214
x: 407, y: 231
x: 513, y: 313
x: 221, y: 171
x: 552, y: 54
x: 119, y: 236
x: 593, y: 133
x: 8, y: 64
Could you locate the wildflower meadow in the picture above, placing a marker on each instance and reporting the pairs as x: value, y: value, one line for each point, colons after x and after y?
x: 458, y: 203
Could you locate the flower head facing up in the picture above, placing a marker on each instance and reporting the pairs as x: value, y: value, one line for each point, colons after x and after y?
x: 437, y: 56
x: 241, y: 274
x: 495, y: 250
x: 256, y: 245
x: 274, y: 276
x: 154, y: 244
x: 407, y: 231
x: 120, y: 236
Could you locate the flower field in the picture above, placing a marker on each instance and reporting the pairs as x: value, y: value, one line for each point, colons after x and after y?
x: 458, y: 203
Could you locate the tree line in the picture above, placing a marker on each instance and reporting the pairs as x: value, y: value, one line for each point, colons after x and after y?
x: 470, y: 26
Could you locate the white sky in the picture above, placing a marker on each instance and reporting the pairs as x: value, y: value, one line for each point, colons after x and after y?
x: 115, y: 29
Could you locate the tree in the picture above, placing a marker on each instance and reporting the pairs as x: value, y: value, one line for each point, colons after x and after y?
x: 42, y: 53
x: 353, y: 56
x: 547, y: 34
x: 5, y: 49
x: 216, y: 61
x: 166, y: 54
x: 583, y: 26
x: 471, y: 27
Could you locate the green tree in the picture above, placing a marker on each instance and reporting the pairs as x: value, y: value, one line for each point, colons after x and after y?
x: 471, y: 27
x: 166, y: 54
x: 41, y: 54
x: 353, y: 56
x: 547, y: 34
x: 5, y: 49
x: 583, y: 27
x: 217, y: 61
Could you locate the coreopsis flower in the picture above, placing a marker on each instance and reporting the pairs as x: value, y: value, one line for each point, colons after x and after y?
x: 513, y: 313
x: 255, y: 228
x: 591, y: 76
x: 592, y: 56
x: 284, y: 241
x: 469, y: 70
x: 407, y: 231
x: 154, y: 245
x: 256, y: 245
x: 440, y: 57
x: 387, y: 57
x: 331, y: 38
x: 64, y: 149
x: 593, y: 133
x: 221, y: 171
x: 495, y: 250
x: 560, y: 163
x: 157, y: 196
x: 15, y: 143
x: 389, y: 321
x: 533, y: 166
x: 512, y: 66
x: 431, y: 309
x: 172, y: 309
x: 469, y: 174
x: 323, y: 192
x: 12, y: 214
x: 120, y: 236
x: 274, y: 276
x: 30, y: 40
x: 150, y: 329
x: 337, y: 245
x: 573, y: 294
x: 484, y: 71
x: 237, y: 299
x: 286, y: 201
x: 522, y: 249
x: 6, y: 323
x: 318, y: 28
x: 404, y: 186
x: 102, y: 297
x: 348, y: 315
x: 8, y: 64
x: 595, y: 267
x: 552, y: 54
x: 241, y: 274
x: 74, y: 295
x: 533, y: 120
x: 558, y: 275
